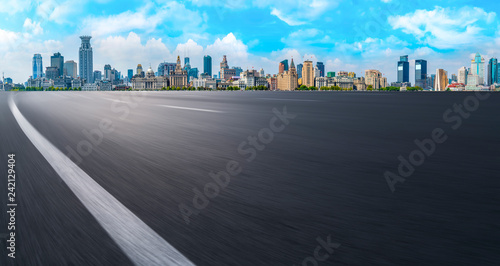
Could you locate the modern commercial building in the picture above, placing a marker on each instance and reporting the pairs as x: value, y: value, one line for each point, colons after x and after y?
x: 317, y: 73
x: 52, y: 72
x: 178, y: 77
x: 462, y: 75
x: 97, y: 75
x: 421, y: 73
x: 330, y: 74
x: 477, y: 68
x: 493, y: 71
x: 165, y: 68
x: 86, y: 60
x: 37, y: 66
x: 288, y: 80
x: 299, y: 70
x: 283, y: 66
x: 375, y: 79
x: 107, y: 72
x: 308, y: 74
x: 207, y: 65
x: 321, y: 68
x: 441, y: 80
x: 70, y: 69
x: 403, y: 69
x: 130, y: 74
x: 57, y: 60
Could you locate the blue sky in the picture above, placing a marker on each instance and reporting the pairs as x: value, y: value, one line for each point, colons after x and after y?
x: 347, y: 35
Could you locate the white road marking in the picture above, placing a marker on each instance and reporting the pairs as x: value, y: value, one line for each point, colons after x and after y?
x: 115, y: 100
x: 297, y: 100
x: 191, y: 109
x: 138, y: 241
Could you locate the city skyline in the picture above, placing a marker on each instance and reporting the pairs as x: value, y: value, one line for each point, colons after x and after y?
x: 252, y: 34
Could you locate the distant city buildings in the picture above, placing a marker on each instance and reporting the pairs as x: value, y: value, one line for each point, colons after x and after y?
x: 403, y: 69
x: 97, y: 75
x: 57, y: 61
x: 477, y: 69
x: 37, y: 66
x: 299, y: 70
x: 321, y: 68
x: 493, y: 71
x: 441, y: 80
x: 288, y: 80
x: 462, y: 75
x: 375, y: 79
x: 207, y: 65
x: 70, y: 69
x: 86, y: 60
x: 421, y: 73
x: 308, y: 73
x: 178, y: 77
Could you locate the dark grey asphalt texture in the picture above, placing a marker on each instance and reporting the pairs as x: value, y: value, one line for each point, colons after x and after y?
x: 322, y: 176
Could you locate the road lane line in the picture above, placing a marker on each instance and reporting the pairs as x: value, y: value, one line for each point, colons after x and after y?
x: 191, y: 109
x: 137, y: 240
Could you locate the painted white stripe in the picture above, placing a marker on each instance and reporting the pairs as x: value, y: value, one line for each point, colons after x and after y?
x: 191, y: 109
x: 138, y: 241
x: 115, y: 100
x: 296, y: 100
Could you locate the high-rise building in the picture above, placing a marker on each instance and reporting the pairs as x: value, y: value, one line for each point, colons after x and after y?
x: 299, y: 70
x: 477, y: 68
x: 223, y: 67
x: 462, y: 75
x: 237, y: 71
x: 285, y: 64
x: 70, y: 69
x: 441, y: 80
x: 403, y: 69
x: 421, y: 73
x: 57, y: 60
x: 186, y: 61
x: 288, y: 80
x: 97, y: 75
x: 207, y: 65
x: 308, y: 74
x: 52, y: 72
x: 107, y: 72
x: 454, y: 78
x: 493, y: 71
x: 321, y: 68
x: 37, y: 66
x: 331, y: 74
x: 130, y: 74
x: 86, y: 60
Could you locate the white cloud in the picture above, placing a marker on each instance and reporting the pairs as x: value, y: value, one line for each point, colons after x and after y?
x: 445, y: 28
x: 33, y: 27
x: 15, y: 6
x: 298, y: 12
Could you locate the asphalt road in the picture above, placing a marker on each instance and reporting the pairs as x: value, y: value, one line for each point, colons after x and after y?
x: 316, y: 172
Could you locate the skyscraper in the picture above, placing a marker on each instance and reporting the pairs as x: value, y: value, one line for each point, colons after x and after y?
x: 403, y: 69
x: 462, y: 75
x: 321, y: 68
x: 37, y: 66
x: 107, y: 72
x: 57, y: 60
x: 130, y: 74
x: 207, y: 65
x: 493, y: 71
x: 299, y: 70
x: 97, y: 75
x: 441, y: 80
x: 308, y: 74
x: 477, y: 68
x: 288, y: 80
x: 285, y: 64
x: 421, y: 73
x: 86, y: 60
x: 70, y: 69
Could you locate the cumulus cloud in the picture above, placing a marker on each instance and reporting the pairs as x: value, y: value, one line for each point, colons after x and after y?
x: 33, y: 27
x: 445, y: 28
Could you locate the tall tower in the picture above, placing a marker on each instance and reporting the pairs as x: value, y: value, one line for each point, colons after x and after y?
x: 441, y: 80
x: 37, y: 66
x: 207, y: 65
x: 477, y: 68
x: 403, y: 69
x: 493, y: 71
x: 86, y: 60
x: 421, y: 73
x: 308, y: 73
x: 321, y: 68
x: 57, y: 60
